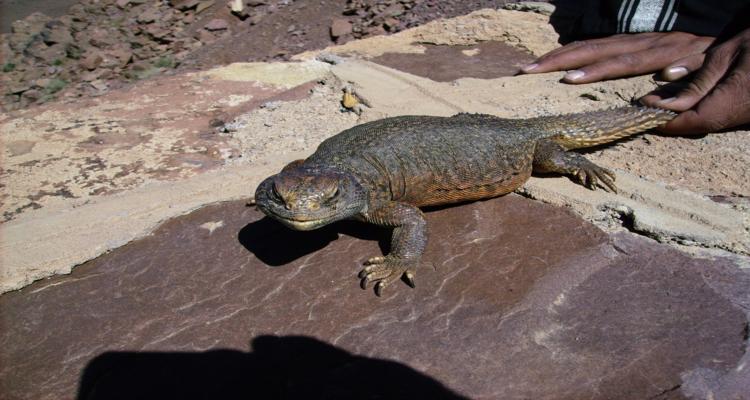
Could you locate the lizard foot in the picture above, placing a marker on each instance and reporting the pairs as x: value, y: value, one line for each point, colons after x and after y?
x: 386, y: 270
x: 591, y: 175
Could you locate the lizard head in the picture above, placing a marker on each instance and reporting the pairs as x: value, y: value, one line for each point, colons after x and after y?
x: 307, y: 198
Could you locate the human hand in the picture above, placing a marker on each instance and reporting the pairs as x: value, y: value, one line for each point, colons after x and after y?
x: 716, y: 96
x: 621, y: 55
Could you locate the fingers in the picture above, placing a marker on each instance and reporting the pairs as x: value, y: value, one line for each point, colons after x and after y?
x: 682, y: 67
x: 716, y: 65
x: 620, y: 56
x: 727, y: 105
x: 622, y: 65
x: 578, y: 54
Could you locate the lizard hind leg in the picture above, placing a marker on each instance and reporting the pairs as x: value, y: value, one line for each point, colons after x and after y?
x: 550, y: 156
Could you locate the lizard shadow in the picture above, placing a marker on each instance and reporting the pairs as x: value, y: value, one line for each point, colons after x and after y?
x: 276, y: 245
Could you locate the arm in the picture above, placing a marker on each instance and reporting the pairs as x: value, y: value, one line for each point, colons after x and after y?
x: 714, y: 95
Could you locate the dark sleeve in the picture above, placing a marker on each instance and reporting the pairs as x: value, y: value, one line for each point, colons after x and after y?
x: 586, y: 18
x: 709, y: 18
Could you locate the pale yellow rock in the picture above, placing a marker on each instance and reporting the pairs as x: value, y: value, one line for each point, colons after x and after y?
x: 237, y: 6
x: 349, y: 100
x: 286, y: 75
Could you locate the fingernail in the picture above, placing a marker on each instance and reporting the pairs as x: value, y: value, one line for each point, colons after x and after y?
x: 676, y: 73
x: 666, y: 101
x: 529, y: 67
x: 574, y: 75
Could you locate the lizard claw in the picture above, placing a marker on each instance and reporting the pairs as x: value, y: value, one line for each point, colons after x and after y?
x: 386, y: 270
x: 409, y: 278
x: 375, y: 260
x: 592, y: 175
x: 379, y: 288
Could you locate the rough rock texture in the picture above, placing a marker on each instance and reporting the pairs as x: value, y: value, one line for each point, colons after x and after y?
x: 136, y: 40
x: 158, y: 130
x: 154, y: 142
x: 516, y: 300
x: 484, y: 60
x: 41, y: 58
x: 76, y: 229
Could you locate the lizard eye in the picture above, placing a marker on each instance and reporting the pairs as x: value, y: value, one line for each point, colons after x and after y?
x: 332, y: 195
x: 275, y: 193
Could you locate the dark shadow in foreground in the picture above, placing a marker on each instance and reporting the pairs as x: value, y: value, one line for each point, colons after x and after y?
x: 276, y: 245
x: 287, y: 367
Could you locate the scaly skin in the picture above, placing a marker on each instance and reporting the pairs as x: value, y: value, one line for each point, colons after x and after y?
x: 381, y: 172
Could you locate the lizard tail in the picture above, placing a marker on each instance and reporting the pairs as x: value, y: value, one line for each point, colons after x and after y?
x: 597, y: 127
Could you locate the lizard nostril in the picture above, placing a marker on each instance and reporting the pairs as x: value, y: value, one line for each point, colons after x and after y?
x: 288, y: 206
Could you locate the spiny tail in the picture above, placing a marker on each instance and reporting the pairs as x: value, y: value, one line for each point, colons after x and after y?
x: 604, y: 126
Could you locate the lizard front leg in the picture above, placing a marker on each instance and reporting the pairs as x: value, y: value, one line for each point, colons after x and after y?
x: 407, y: 245
x: 553, y: 157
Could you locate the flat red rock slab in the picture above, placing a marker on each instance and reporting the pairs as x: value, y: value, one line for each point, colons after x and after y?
x: 486, y: 60
x: 516, y: 300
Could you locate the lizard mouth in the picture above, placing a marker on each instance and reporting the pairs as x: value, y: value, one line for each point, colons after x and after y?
x: 307, y: 225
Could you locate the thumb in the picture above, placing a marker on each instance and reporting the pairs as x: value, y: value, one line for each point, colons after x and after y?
x: 717, y: 63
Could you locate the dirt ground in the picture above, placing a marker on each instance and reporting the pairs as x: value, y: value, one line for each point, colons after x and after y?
x: 100, y: 45
x: 13, y: 10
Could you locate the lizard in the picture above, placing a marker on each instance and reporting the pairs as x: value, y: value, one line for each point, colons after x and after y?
x: 383, y: 171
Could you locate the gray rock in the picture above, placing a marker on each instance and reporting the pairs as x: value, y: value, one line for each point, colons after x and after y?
x: 330, y: 58
x: 216, y: 24
x: 538, y: 7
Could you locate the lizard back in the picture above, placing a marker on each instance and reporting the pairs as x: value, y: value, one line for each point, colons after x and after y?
x: 428, y: 160
x: 425, y: 160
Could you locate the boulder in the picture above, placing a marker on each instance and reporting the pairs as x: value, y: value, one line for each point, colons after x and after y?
x: 205, y: 37
x: 91, y: 61
x: 184, y: 5
x: 150, y: 15
x: 101, y: 38
x: 340, y: 27
x: 123, y: 55
x: 203, y: 5
x: 32, y: 95
x: 217, y: 24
